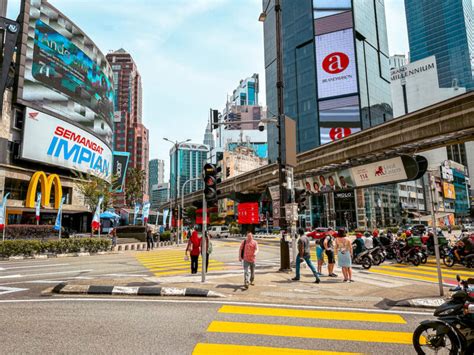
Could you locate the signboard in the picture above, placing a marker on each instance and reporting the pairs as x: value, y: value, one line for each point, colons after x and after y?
x: 119, y: 170
x: 52, y: 141
x: 447, y: 173
x: 63, y: 71
x: 449, y: 191
x: 335, y: 62
x: 248, y: 213
x: 383, y: 172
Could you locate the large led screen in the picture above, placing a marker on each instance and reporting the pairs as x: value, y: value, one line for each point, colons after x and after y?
x: 336, y: 66
x: 64, y: 72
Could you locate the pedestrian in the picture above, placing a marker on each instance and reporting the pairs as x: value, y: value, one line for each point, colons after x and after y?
x: 149, y: 239
x: 247, y: 253
x: 320, y: 255
x: 113, y: 235
x: 304, y: 253
x: 329, y: 250
x: 194, y: 249
x: 209, y: 249
x: 343, y: 249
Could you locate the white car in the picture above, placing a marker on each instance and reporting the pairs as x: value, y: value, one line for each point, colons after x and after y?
x: 219, y: 232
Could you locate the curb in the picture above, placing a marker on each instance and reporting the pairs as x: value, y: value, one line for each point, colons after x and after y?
x: 66, y: 289
x: 421, y: 302
x: 53, y: 256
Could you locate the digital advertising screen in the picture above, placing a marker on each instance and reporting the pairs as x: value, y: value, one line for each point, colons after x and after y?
x: 63, y: 72
x: 336, y: 65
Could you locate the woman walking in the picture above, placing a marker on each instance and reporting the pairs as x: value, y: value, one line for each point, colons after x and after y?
x: 343, y: 250
x: 194, y: 249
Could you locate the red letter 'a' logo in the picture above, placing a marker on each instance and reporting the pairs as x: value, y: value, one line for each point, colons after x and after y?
x: 339, y: 132
x: 335, y: 63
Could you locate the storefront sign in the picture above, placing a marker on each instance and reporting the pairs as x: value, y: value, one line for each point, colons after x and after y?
x: 52, y: 141
x: 449, y: 191
x: 46, y: 184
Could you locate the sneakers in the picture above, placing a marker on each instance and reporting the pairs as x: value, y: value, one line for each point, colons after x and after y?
x: 295, y: 279
x: 246, y: 286
x: 317, y: 281
x: 332, y: 275
x: 252, y: 283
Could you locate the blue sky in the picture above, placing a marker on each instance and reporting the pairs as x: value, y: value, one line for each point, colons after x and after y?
x: 190, y: 53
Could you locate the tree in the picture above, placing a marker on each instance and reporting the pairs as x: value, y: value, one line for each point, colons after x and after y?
x: 134, y: 186
x: 92, y: 188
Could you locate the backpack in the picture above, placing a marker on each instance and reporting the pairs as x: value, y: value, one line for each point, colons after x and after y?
x: 330, y: 242
x: 243, y: 250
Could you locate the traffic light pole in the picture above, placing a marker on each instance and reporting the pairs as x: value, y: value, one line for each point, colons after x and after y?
x: 203, y: 239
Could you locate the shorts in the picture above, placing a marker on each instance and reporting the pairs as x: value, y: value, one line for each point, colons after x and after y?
x: 330, y: 255
x: 319, y: 252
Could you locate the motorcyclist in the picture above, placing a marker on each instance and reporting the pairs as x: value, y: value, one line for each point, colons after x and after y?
x: 359, y: 244
x: 386, y: 240
x: 430, y: 241
x: 464, y: 248
x: 368, y: 240
x: 376, y: 239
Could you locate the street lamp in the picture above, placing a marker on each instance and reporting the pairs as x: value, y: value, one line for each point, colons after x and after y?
x: 176, y: 145
x: 284, y: 245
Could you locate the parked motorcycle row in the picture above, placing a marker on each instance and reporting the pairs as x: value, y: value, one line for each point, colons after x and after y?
x: 453, y: 330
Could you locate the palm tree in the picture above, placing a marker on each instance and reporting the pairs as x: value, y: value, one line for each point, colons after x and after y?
x: 134, y: 186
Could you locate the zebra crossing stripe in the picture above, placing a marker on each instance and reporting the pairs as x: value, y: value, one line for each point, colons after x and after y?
x: 331, y: 315
x: 209, y: 349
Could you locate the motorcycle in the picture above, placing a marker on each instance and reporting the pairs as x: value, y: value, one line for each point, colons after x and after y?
x: 453, y: 331
x: 406, y: 255
x: 364, y: 258
x: 378, y: 255
x: 450, y: 259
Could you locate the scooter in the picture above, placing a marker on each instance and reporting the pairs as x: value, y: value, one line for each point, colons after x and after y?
x: 364, y: 258
x: 378, y: 255
x: 450, y: 259
x: 453, y: 331
x: 404, y: 255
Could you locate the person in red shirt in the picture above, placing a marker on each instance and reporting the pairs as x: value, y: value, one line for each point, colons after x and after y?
x: 247, y: 253
x: 194, y: 249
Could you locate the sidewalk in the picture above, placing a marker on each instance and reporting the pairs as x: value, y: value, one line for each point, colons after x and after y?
x: 272, y: 286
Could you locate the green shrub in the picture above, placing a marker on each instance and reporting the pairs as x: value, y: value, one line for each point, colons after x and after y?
x: 73, y: 245
x: 165, y: 236
x: 135, y: 232
x: 30, y: 231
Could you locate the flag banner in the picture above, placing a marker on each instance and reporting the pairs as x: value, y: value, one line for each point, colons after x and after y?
x: 157, y: 218
x: 38, y: 206
x: 165, y: 217
x: 3, y: 209
x: 136, y: 212
x: 57, y: 225
x: 146, y: 212
x: 96, y: 219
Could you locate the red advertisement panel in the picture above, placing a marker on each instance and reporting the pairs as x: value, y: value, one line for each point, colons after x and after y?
x: 248, y: 213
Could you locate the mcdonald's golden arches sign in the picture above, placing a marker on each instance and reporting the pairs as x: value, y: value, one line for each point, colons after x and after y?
x: 46, y: 184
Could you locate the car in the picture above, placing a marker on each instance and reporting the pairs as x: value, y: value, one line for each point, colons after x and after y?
x: 319, y: 233
x: 219, y: 232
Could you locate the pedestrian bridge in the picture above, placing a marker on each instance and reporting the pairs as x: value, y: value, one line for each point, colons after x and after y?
x: 442, y: 124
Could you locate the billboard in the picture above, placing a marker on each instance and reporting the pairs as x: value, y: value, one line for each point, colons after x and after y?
x: 449, y: 191
x: 335, y: 63
x: 52, y: 141
x: 338, y: 118
x: 383, y: 172
x: 248, y: 213
x: 63, y: 72
x: 119, y: 170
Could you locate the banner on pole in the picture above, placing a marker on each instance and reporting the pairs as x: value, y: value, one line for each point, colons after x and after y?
x: 38, y: 206
x: 3, y: 209
x: 57, y: 225
x: 165, y: 217
x: 96, y: 219
x: 146, y: 212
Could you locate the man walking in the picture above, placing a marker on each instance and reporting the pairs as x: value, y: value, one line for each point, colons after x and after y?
x: 247, y: 252
x: 304, y: 253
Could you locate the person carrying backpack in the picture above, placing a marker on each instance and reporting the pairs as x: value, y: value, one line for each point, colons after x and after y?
x: 329, y: 250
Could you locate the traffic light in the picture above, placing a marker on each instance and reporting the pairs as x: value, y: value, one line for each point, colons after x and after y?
x: 300, y: 198
x: 211, y: 180
x: 215, y: 119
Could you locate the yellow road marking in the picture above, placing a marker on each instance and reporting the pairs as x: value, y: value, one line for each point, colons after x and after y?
x: 295, y: 313
x: 178, y: 267
x: 182, y: 262
x: 424, y: 270
x: 214, y: 349
x: 375, y: 336
x: 393, y: 273
x: 183, y: 272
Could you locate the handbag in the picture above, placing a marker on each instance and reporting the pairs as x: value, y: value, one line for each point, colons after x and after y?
x: 209, y: 248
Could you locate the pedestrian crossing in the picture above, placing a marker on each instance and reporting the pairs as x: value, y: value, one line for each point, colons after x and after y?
x: 274, y: 330
x: 424, y: 272
x: 171, y: 262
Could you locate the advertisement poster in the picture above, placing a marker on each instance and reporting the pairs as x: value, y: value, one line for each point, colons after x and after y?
x: 335, y: 62
x: 449, y: 191
x: 385, y: 171
x: 52, y: 141
x: 248, y: 213
x: 120, y: 170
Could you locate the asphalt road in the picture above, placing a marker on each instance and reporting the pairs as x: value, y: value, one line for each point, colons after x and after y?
x: 121, y: 326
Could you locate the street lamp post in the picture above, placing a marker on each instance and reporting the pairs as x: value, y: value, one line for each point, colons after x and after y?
x: 176, y: 189
x: 284, y: 245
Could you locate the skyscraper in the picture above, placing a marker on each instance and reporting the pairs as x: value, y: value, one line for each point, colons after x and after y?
x: 443, y: 29
x: 130, y: 135
x: 191, y: 158
x: 209, y: 137
x: 156, y: 172
x: 336, y: 82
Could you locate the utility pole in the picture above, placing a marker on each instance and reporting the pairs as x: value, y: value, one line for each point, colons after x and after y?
x: 435, y: 234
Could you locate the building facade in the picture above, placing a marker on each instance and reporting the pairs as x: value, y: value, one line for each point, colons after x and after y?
x: 130, y: 135
x: 156, y: 173
x: 443, y: 29
x: 187, y: 163
x: 336, y: 82
x: 159, y: 195
x: 397, y: 61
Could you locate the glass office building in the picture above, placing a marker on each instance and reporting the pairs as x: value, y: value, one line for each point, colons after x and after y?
x: 336, y: 81
x: 191, y: 160
x: 443, y: 29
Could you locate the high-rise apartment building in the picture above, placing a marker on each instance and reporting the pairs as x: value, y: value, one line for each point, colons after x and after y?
x: 246, y: 94
x: 130, y: 135
x: 336, y: 82
x: 156, y: 173
x: 185, y: 164
x: 159, y: 195
x: 444, y: 29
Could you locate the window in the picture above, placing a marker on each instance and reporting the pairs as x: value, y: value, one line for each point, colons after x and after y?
x: 17, y: 188
x: 19, y: 117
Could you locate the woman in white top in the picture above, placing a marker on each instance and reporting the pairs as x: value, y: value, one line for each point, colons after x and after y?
x: 343, y: 250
